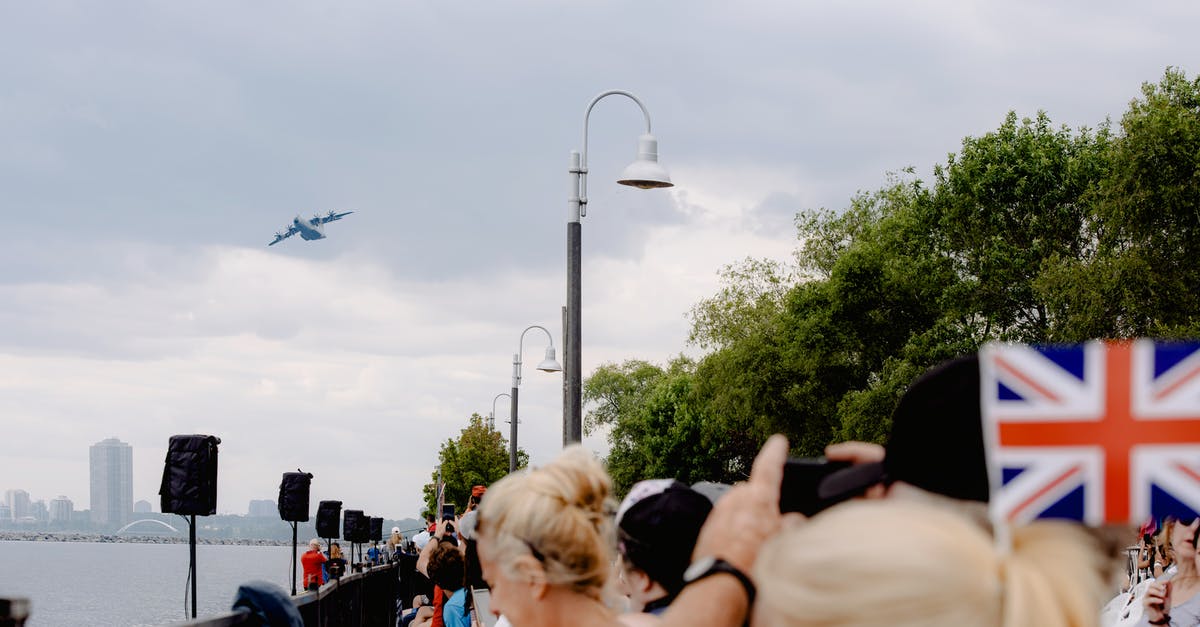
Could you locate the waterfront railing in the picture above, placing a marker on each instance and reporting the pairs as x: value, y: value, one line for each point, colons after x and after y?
x: 361, y: 599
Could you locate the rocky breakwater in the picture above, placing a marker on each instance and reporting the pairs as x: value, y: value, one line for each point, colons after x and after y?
x: 46, y: 536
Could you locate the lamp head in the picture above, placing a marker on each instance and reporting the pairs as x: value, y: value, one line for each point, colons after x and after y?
x: 646, y: 172
x: 549, y: 364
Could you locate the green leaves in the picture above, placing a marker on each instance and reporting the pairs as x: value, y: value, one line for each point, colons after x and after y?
x: 478, y: 457
x: 1030, y: 233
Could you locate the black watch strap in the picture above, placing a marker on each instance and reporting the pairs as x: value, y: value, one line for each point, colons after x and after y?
x: 706, y: 566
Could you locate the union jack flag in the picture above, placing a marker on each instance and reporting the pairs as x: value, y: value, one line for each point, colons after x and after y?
x: 1098, y: 432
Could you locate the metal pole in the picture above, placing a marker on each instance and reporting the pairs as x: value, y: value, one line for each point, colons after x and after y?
x: 192, y: 541
x: 512, y: 432
x: 573, y: 417
x: 293, y: 558
x: 573, y: 376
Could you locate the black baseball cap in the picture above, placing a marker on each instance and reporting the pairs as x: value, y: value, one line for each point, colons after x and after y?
x: 936, y: 442
x: 657, y: 526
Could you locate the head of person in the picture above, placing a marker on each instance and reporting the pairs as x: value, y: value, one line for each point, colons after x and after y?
x: 546, y: 534
x: 1181, y: 536
x: 446, y: 567
x: 657, y: 526
x: 900, y: 563
x: 335, y: 551
x: 314, y: 545
x: 935, y: 450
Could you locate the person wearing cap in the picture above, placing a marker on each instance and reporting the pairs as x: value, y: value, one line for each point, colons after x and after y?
x: 312, y: 562
x: 942, y: 405
x: 394, y: 543
x: 657, y: 526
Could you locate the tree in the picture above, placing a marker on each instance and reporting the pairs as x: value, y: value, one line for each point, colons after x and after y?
x: 1148, y: 214
x: 478, y: 457
x: 1030, y: 233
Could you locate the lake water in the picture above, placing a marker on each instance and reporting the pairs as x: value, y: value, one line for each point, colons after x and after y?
x: 83, y: 583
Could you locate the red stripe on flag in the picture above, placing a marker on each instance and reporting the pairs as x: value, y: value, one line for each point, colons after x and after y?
x: 1037, y: 495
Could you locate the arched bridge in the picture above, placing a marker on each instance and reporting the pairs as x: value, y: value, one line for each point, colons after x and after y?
x: 149, y: 520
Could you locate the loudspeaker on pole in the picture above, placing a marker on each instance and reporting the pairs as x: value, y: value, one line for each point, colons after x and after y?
x: 329, y: 514
x: 189, y: 480
x: 352, y: 525
x: 293, y: 496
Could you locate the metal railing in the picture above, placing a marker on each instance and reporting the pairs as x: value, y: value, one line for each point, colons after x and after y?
x: 361, y: 599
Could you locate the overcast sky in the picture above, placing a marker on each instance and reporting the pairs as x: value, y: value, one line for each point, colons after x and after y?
x: 150, y: 150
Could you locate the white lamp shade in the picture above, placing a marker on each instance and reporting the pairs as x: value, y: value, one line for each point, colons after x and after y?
x: 549, y: 364
x: 646, y: 172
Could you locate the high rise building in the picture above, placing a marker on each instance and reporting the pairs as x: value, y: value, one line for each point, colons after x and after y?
x: 61, y: 510
x: 18, y: 504
x: 263, y: 508
x: 40, y: 512
x: 111, y: 482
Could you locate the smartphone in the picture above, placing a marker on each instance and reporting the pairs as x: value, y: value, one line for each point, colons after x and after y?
x: 801, y: 484
x: 448, y: 511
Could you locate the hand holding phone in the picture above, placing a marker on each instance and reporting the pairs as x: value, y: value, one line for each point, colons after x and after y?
x: 802, y: 478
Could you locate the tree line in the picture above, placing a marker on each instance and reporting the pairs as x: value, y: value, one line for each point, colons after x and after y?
x: 1032, y: 232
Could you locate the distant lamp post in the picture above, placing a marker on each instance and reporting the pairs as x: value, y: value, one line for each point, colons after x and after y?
x: 645, y: 173
x: 549, y: 364
x: 492, y: 416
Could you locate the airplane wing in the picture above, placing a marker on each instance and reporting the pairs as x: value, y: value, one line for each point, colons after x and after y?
x: 330, y: 217
x: 282, y: 235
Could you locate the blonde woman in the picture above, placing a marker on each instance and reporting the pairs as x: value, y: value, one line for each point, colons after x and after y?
x: 546, y: 543
x: 1175, y: 599
x: 904, y: 563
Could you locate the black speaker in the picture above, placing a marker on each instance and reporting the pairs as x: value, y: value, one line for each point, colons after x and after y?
x: 329, y: 514
x: 293, y: 496
x: 189, y: 481
x: 376, y: 530
x: 352, y: 523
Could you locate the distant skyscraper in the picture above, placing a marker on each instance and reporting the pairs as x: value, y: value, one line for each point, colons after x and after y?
x: 112, y: 482
x: 264, y: 508
x: 40, y: 512
x: 18, y: 504
x: 61, y: 510
x: 142, y: 507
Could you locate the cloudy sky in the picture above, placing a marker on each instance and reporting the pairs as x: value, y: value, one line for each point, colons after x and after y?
x: 149, y: 151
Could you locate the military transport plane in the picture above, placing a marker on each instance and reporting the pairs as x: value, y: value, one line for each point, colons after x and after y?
x: 310, y: 228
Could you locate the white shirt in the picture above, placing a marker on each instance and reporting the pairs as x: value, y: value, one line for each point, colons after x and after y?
x: 421, y: 539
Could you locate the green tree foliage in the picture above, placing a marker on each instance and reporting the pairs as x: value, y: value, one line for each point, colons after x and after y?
x: 1029, y: 233
x: 1145, y: 278
x: 478, y: 457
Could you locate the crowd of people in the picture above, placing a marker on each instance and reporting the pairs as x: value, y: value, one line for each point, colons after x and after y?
x: 903, y: 539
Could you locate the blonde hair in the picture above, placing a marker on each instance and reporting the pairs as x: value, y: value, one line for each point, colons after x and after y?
x: 558, y: 515
x: 895, y: 563
x: 335, y: 551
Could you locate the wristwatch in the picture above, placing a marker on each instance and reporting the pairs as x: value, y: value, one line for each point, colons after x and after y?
x: 710, y: 565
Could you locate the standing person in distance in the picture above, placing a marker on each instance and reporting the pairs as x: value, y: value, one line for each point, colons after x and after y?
x: 312, y: 561
x: 336, y: 564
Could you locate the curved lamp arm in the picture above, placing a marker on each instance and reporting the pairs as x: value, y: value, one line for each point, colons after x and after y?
x: 554, y: 367
x: 492, y: 416
x: 581, y: 167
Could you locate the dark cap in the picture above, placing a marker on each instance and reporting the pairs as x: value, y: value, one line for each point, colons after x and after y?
x: 936, y: 441
x: 657, y: 526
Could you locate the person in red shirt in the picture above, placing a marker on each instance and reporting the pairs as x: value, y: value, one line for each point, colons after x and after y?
x: 312, y: 561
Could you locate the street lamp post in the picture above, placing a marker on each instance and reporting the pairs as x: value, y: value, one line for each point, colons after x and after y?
x: 492, y: 415
x: 645, y: 173
x: 549, y: 364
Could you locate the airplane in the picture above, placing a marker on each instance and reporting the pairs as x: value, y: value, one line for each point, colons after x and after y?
x: 309, y: 229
